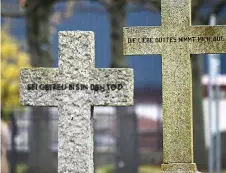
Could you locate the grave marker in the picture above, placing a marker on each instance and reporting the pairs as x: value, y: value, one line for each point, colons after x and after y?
x: 73, y: 88
x: 176, y: 40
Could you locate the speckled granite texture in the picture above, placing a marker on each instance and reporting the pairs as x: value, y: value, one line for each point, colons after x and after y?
x: 179, y: 168
x: 76, y: 65
x: 175, y: 40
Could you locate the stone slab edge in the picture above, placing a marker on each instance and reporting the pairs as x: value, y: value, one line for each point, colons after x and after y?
x: 179, y: 168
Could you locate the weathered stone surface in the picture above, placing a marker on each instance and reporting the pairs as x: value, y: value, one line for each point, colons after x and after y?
x: 179, y: 168
x: 198, y: 46
x: 175, y: 40
x: 76, y: 66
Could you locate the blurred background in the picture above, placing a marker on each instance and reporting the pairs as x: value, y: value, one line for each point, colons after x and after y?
x: 127, y: 140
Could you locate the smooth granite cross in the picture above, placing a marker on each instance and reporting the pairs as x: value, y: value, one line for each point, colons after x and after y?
x: 73, y: 88
x: 176, y: 40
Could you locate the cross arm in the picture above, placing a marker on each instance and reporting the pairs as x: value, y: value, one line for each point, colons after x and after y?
x: 141, y: 40
x: 118, y: 85
x: 33, y: 86
x: 209, y: 39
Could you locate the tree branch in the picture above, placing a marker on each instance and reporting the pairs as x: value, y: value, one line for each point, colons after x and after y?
x: 196, y: 5
x: 153, y: 5
x: 219, y: 6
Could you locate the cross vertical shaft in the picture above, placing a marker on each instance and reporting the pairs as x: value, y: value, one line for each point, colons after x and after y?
x: 176, y: 13
x: 76, y: 51
x: 75, y: 149
x: 177, y: 108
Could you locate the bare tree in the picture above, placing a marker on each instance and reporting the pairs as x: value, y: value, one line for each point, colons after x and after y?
x: 126, y: 147
x: 41, y: 158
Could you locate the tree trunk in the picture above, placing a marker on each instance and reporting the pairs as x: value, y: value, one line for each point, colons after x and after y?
x: 127, y: 144
x: 127, y: 150
x: 200, y: 151
x: 117, y: 12
x: 13, y: 154
x: 41, y: 158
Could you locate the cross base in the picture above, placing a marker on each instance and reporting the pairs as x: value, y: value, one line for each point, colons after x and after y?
x: 179, y: 168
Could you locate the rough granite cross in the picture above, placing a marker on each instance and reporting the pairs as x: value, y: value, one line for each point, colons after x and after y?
x: 175, y: 40
x: 73, y: 88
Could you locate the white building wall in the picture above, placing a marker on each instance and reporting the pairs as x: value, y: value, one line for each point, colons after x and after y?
x: 222, y: 117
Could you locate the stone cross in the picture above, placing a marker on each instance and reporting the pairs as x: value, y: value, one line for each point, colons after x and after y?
x: 176, y: 39
x: 74, y: 87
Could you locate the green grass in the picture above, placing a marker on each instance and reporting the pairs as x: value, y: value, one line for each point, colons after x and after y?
x: 109, y: 168
x: 149, y: 169
x: 21, y: 168
x: 142, y: 169
x: 105, y: 169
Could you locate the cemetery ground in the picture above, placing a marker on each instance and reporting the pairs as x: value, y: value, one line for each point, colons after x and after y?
x: 108, y: 169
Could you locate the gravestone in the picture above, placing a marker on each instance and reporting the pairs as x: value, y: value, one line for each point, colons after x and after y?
x: 176, y: 40
x: 74, y: 87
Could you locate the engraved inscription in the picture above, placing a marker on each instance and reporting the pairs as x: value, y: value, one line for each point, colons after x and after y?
x: 174, y: 39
